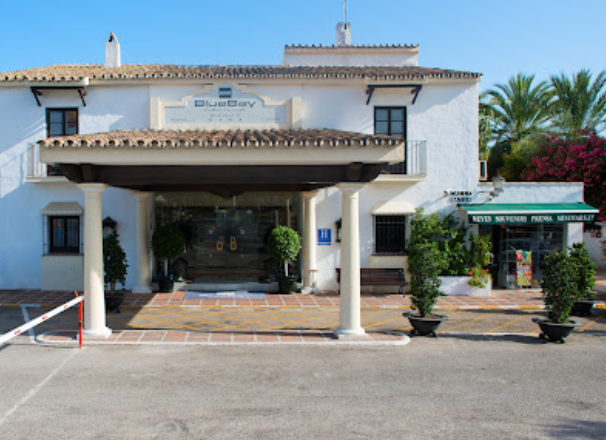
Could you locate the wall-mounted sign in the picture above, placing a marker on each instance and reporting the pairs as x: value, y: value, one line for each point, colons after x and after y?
x: 225, y: 106
x: 460, y: 196
x: 324, y: 237
x: 522, y: 219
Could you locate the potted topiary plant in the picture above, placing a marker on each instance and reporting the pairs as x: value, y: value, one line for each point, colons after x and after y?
x: 560, y: 290
x: 168, y: 242
x: 586, y: 270
x: 284, y: 245
x: 115, y: 268
x: 424, y: 264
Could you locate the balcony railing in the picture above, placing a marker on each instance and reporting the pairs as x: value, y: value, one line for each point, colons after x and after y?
x: 37, y: 169
x: 415, y: 160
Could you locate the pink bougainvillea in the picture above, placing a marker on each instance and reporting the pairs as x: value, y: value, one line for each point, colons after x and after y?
x: 579, y: 160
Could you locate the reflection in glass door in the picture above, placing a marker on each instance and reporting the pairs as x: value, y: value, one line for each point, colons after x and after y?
x: 226, y: 236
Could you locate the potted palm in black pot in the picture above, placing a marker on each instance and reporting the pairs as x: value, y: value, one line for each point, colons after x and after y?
x: 284, y: 245
x: 586, y: 270
x: 425, y: 264
x: 560, y: 290
x: 115, y: 268
x: 168, y: 242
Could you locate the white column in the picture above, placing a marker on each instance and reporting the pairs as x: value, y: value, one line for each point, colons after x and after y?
x: 349, y: 312
x: 143, y: 248
x: 309, y: 241
x: 94, y: 301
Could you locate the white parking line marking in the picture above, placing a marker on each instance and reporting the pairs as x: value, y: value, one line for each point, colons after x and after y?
x: 37, y: 388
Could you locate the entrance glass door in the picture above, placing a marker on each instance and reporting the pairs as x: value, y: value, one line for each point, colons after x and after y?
x: 226, y: 236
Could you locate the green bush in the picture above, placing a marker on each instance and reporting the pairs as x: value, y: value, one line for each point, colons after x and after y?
x: 168, y: 242
x: 449, y: 234
x: 560, y: 285
x: 114, y: 261
x: 585, y: 270
x: 424, y: 264
x: 284, y: 244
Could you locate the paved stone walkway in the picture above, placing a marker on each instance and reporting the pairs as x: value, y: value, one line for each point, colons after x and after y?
x: 169, y: 318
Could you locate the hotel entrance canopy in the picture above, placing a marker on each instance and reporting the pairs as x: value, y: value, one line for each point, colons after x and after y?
x: 233, y: 160
x: 530, y: 213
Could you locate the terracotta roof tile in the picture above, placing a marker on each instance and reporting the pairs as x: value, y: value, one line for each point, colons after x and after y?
x: 217, y: 138
x: 78, y: 72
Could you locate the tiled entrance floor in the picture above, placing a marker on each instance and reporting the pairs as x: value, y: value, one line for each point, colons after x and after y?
x: 286, y: 319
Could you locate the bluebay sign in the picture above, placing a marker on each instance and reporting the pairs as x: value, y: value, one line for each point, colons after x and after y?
x: 523, y: 219
x: 225, y: 106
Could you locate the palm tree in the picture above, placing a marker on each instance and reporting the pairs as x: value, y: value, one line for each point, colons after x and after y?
x: 580, y: 105
x: 485, y: 129
x: 518, y: 111
x: 519, y: 108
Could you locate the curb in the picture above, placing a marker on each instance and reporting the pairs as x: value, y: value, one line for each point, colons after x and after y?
x: 44, y: 338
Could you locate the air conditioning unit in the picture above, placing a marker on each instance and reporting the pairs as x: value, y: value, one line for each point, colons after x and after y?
x: 483, y: 170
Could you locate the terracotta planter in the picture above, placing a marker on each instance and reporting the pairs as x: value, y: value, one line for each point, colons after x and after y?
x: 425, y: 325
x: 554, y: 331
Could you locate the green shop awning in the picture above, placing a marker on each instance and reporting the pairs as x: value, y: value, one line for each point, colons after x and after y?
x: 530, y: 213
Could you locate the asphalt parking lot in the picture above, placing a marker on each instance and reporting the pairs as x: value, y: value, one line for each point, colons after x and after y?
x: 464, y: 386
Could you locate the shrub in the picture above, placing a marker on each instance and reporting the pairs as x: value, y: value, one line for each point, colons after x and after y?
x: 560, y: 285
x: 424, y: 264
x: 168, y: 242
x: 448, y: 233
x: 585, y: 270
x: 115, y: 264
x: 284, y: 244
x: 480, y: 256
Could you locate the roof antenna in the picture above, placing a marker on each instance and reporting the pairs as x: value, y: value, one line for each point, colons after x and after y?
x: 344, y: 29
x: 345, y: 13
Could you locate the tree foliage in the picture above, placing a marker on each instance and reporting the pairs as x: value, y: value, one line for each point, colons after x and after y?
x: 569, y: 276
x: 115, y: 264
x: 284, y: 244
x: 580, y: 104
x: 519, y: 108
x: 168, y: 242
x: 580, y: 159
x: 425, y: 264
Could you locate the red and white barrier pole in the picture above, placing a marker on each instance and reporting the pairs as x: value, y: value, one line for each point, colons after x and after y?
x: 16, y: 332
x: 80, y: 320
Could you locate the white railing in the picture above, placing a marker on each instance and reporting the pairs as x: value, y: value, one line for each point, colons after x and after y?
x: 35, y: 168
x: 415, y: 160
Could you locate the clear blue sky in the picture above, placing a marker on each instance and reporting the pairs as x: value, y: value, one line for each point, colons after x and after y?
x: 496, y: 38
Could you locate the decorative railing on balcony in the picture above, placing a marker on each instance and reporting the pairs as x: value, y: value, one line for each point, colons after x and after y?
x: 415, y: 160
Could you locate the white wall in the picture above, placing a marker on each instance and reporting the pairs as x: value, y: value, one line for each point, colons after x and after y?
x: 445, y: 115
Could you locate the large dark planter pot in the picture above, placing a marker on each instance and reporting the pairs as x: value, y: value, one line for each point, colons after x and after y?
x: 113, y: 301
x: 166, y: 284
x: 425, y: 325
x: 287, y: 284
x: 555, y: 332
x: 582, y: 307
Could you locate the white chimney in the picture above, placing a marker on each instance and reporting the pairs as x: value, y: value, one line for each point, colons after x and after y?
x: 112, y: 52
x: 343, y: 34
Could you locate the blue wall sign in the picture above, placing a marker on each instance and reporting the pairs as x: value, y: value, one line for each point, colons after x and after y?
x: 324, y: 237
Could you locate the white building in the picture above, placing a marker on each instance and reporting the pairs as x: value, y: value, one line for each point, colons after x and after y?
x: 355, y: 134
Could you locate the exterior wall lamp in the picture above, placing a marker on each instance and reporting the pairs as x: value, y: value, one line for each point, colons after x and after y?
x: 498, y: 182
x: 109, y: 226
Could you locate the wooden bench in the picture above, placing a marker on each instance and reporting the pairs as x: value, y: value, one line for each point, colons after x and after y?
x: 380, y: 277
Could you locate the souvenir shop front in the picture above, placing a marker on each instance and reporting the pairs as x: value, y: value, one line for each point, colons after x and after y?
x: 524, y: 234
